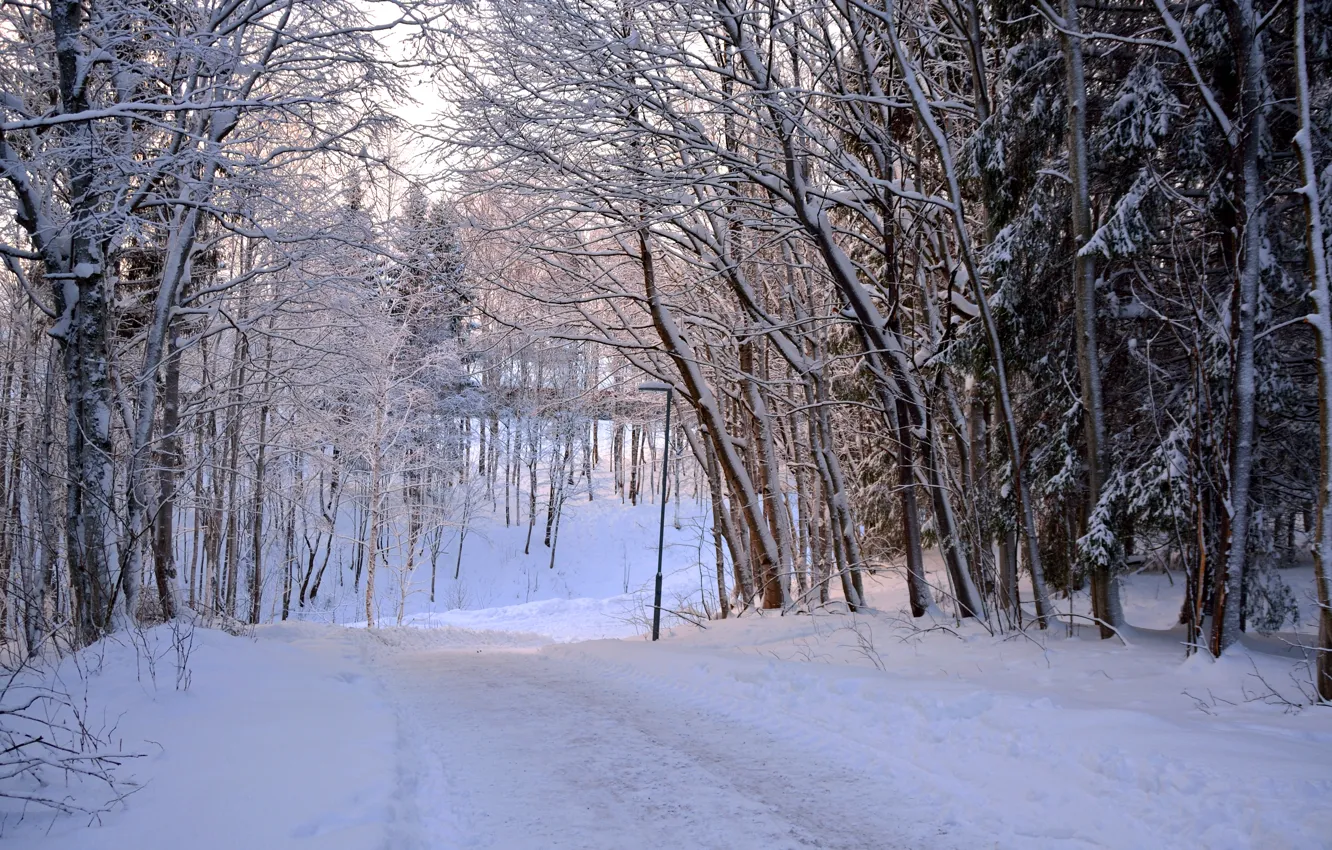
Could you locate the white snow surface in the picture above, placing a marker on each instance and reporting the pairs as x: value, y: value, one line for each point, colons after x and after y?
x: 554, y: 724
x: 606, y: 555
x: 278, y: 742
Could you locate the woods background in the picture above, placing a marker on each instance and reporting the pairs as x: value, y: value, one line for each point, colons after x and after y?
x: 1045, y: 288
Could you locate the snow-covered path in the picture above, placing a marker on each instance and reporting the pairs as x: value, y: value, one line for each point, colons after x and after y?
x: 519, y: 749
x: 759, y: 732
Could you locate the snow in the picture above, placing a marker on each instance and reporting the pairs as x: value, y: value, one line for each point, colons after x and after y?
x: 606, y: 549
x: 276, y: 742
x: 988, y: 747
x: 553, y: 723
x: 574, y: 756
x: 558, y: 620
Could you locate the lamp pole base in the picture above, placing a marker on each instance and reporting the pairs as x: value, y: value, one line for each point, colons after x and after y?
x: 656, y: 611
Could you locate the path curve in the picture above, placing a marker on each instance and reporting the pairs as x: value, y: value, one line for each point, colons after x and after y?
x: 518, y: 750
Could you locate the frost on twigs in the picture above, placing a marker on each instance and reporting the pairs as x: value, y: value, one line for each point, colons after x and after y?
x: 681, y: 609
x: 169, y: 647
x: 54, y: 759
x: 205, y: 616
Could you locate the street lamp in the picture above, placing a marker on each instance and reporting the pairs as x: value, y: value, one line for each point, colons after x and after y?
x: 659, y: 387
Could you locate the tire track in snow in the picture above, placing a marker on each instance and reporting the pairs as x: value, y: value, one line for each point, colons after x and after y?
x: 516, y: 750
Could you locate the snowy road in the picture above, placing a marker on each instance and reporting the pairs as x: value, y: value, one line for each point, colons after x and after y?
x: 516, y: 749
x: 756, y: 733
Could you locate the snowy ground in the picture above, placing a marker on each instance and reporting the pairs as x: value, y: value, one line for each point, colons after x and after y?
x: 552, y: 723
x: 605, y: 550
x: 539, y: 750
x: 275, y: 742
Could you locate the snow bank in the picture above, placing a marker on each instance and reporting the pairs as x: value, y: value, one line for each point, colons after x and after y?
x: 1046, y: 743
x: 280, y: 741
x: 559, y: 620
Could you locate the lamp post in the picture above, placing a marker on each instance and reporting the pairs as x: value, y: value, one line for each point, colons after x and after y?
x: 659, y: 387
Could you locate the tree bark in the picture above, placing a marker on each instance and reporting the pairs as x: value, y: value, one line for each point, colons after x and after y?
x: 1106, y: 606
x: 1226, y: 608
x: 1321, y: 297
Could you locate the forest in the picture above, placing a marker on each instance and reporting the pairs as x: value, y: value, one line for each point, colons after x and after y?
x: 293, y: 291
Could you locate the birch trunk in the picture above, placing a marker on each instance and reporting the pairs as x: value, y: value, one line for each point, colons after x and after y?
x: 374, y: 509
x: 1320, y: 295
x: 168, y: 464
x: 1230, y: 581
x: 81, y: 289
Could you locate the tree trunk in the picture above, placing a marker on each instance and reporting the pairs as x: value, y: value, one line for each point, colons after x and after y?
x: 1106, y: 606
x: 168, y: 464
x: 705, y: 403
x: 373, y: 508
x: 1321, y: 296
x: 1230, y: 581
